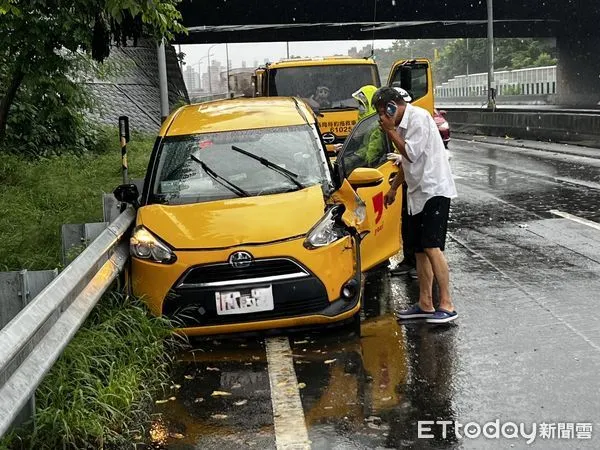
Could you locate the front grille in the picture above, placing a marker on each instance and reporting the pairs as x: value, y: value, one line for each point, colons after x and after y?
x: 214, y: 274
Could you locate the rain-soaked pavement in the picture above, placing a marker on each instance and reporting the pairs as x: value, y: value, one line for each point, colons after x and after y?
x: 524, y: 351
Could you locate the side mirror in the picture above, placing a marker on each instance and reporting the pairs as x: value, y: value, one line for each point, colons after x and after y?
x: 127, y: 193
x: 365, y: 177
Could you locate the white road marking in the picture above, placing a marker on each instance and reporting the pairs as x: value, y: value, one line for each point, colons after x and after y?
x: 288, y: 414
x: 581, y: 220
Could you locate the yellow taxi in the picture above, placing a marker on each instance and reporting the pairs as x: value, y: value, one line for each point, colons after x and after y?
x: 243, y: 223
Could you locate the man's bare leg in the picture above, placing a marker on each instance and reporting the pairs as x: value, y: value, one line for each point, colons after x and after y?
x: 425, y: 274
x: 439, y: 266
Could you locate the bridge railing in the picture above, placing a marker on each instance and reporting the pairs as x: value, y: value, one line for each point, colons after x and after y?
x: 33, y: 340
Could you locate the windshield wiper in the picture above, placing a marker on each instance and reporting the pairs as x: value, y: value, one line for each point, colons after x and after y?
x: 219, y: 179
x: 271, y: 165
x: 341, y: 107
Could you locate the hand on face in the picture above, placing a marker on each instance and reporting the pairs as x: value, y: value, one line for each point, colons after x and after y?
x: 387, y: 123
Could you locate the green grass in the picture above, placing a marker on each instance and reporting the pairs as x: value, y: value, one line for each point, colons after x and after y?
x: 99, y: 393
x: 39, y: 196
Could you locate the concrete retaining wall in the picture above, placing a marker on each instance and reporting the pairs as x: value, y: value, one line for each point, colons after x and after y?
x: 581, y: 129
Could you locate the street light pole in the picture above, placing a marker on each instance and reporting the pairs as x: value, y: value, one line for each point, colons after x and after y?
x: 162, y: 81
x: 468, y: 83
x: 490, y: 41
x: 209, y: 76
x: 199, y: 64
x: 227, y: 57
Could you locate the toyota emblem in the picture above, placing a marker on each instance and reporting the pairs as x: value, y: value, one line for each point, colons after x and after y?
x: 329, y: 138
x: 240, y: 260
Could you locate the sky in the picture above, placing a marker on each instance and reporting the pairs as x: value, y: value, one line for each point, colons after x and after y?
x: 274, y: 51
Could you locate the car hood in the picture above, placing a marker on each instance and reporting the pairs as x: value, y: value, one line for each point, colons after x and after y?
x: 233, y: 222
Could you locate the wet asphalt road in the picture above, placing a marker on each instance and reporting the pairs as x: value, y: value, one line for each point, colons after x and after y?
x: 525, y: 349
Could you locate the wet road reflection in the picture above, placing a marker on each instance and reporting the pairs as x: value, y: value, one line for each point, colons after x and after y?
x: 524, y: 196
x: 531, y: 193
x: 525, y: 348
x: 221, y: 399
x: 364, y: 391
x: 551, y: 163
x: 372, y: 390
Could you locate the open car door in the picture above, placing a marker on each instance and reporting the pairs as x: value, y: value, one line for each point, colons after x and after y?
x: 367, y: 146
x: 414, y: 76
x: 258, y: 81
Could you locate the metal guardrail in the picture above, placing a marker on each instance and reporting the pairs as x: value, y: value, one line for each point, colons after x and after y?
x: 481, y: 100
x: 33, y: 340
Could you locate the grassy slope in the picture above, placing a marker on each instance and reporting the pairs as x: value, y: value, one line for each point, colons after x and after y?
x: 38, y: 197
x: 99, y: 391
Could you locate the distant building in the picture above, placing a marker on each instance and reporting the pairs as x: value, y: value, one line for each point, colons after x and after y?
x: 215, y: 83
x: 191, y: 78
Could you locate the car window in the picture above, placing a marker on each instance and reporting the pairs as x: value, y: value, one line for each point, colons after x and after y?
x: 413, y: 78
x: 179, y: 178
x: 367, y: 146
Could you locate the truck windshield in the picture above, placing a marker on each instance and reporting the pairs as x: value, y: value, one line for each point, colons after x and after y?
x: 323, y: 87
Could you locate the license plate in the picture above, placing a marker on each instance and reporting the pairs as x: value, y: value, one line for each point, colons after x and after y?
x: 244, y: 302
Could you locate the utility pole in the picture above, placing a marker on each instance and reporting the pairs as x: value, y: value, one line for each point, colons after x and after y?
x: 468, y: 59
x: 162, y: 81
x: 227, y: 57
x: 490, y: 41
x: 209, y: 76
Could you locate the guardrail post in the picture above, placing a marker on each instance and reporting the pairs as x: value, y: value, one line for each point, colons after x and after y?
x: 16, y: 291
x: 23, y: 288
x: 76, y: 236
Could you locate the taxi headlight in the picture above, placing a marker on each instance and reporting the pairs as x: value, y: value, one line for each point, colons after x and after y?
x: 144, y: 245
x: 326, y: 231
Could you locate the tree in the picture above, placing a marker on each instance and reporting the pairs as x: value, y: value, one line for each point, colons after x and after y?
x: 401, y: 49
x: 509, y: 54
x: 43, y: 39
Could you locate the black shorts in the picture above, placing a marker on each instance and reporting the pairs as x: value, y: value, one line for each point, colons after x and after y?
x: 428, y: 228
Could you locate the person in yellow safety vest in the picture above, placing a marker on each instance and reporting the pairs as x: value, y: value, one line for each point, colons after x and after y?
x: 372, y: 144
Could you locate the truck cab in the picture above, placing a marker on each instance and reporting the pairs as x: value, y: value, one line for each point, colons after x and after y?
x: 327, y: 85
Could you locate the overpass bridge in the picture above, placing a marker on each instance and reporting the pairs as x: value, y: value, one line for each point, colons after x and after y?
x: 573, y: 23
x: 33, y: 341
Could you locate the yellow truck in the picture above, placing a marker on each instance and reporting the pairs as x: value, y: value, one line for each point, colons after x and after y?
x: 327, y: 85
